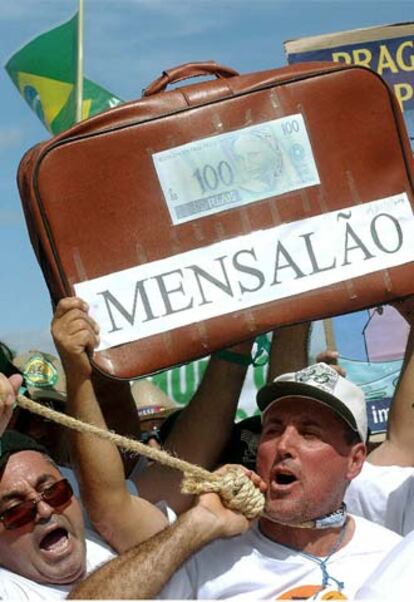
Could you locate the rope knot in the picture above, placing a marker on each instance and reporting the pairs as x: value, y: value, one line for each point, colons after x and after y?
x: 234, y: 487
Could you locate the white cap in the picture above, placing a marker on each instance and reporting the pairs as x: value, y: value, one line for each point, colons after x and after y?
x: 321, y: 383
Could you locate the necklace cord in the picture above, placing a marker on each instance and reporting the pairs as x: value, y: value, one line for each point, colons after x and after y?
x: 326, y: 577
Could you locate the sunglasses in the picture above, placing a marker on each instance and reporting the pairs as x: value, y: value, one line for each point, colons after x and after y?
x: 21, y: 514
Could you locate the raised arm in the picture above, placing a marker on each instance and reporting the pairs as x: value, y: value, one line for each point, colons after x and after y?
x: 122, y: 519
x: 203, y: 427
x: 289, y: 349
x: 398, y: 448
x: 119, y: 410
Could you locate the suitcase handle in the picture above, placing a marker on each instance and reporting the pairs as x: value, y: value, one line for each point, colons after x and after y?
x: 186, y: 71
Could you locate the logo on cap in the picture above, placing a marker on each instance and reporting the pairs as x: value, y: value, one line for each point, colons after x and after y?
x: 323, y: 376
x: 39, y: 372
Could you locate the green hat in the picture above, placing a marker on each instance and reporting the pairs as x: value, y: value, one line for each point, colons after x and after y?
x: 43, y: 375
x: 12, y: 442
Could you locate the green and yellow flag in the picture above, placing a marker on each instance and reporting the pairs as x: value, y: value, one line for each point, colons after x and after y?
x: 44, y: 72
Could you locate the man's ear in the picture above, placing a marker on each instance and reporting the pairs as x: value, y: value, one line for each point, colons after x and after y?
x: 357, y: 458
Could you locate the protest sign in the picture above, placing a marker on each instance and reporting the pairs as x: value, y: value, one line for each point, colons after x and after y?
x: 387, y: 50
x: 212, y: 281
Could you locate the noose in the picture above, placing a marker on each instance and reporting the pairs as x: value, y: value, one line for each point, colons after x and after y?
x: 235, y: 489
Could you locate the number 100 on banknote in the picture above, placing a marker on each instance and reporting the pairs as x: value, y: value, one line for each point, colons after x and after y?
x: 236, y: 168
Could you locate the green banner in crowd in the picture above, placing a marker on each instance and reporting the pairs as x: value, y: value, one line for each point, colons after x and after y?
x: 44, y: 72
x: 180, y: 384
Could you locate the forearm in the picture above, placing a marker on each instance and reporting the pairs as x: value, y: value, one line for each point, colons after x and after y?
x: 402, y: 407
x: 399, y: 445
x: 119, y: 411
x: 214, y: 404
x: 143, y: 571
x: 406, y: 360
x: 122, y: 519
x: 97, y: 462
x: 398, y: 448
x: 201, y: 431
x: 289, y: 349
x: 92, y: 454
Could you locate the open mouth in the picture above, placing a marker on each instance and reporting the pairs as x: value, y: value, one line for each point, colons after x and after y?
x: 55, y: 540
x: 285, y: 478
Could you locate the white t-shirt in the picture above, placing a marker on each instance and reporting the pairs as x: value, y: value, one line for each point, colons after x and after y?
x: 15, y: 587
x: 252, y: 567
x: 385, y: 495
x: 393, y: 578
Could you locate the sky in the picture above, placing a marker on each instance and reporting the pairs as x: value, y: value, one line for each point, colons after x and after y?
x: 128, y: 43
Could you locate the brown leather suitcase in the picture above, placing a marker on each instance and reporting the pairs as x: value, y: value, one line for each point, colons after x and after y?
x: 96, y: 204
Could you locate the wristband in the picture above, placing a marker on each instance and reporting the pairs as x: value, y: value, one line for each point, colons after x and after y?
x: 234, y: 358
x: 260, y: 358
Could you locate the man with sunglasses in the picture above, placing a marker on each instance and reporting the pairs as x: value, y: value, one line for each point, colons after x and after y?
x: 44, y: 548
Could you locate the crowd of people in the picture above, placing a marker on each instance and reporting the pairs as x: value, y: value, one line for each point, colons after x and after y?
x: 81, y: 519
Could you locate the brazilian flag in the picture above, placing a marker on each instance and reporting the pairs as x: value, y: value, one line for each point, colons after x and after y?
x: 44, y: 72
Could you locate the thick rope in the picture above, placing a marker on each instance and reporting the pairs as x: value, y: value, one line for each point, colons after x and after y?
x: 234, y: 487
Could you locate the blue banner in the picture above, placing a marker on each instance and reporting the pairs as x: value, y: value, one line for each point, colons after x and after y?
x: 387, y: 50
